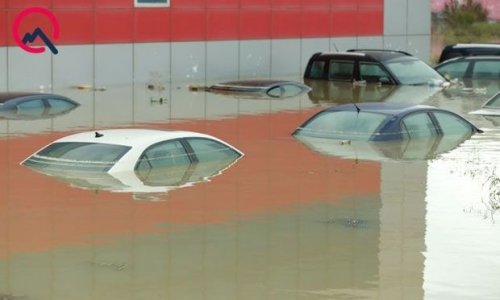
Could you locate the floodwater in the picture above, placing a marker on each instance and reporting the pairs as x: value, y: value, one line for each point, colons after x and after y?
x: 283, y: 222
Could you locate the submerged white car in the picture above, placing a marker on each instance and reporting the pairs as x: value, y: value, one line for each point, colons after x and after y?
x: 134, y: 160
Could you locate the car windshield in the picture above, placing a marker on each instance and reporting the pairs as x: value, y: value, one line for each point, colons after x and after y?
x: 350, y: 125
x: 414, y: 72
x: 77, y: 156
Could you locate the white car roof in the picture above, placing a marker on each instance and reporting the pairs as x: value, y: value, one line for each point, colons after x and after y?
x: 130, y: 137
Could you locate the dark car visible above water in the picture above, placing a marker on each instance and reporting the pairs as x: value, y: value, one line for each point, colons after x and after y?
x: 372, y: 66
x: 468, y: 49
x: 471, y: 67
x: 260, y: 88
x: 27, y: 106
x: 385, y: 122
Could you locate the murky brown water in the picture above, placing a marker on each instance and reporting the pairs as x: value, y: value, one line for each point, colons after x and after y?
x: 284, y: 222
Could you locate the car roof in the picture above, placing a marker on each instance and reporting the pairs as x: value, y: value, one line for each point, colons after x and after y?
x: 131, y: 136
x: 471, y: 57
x: 379, y: 55
x: 382, y: 107
x: 474, y: 45
x: 14, y: 96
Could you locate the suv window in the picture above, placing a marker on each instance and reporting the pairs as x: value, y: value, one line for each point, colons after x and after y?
x: 486, y: 69
x: 317, y: 69
x: 341, y: 70
x: 454, y: 70
x: 371, y: 72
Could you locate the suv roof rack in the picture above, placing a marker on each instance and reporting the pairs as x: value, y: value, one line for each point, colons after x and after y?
x: 381, y: 50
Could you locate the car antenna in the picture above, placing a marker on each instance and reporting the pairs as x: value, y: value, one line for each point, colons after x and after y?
x: 357, y: 108
x: 98, y: 135
x: 335, y: 46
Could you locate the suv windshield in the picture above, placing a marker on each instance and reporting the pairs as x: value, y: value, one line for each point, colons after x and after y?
x: 413, y: 72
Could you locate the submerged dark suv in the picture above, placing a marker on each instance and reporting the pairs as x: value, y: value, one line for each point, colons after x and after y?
x: 459, y: 50
x: 372, y: 66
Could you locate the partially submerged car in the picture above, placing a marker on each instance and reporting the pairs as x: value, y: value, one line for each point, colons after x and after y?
x: 134, y: 160
x: 28, y: 106
x: 372, y: 66
x: 468, y: 49
x: 490, y: 108
x: 260, y: 88
x: 471, y: 67
x: 385, y: 122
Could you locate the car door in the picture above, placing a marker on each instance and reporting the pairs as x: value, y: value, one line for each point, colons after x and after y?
x: 341, y: 70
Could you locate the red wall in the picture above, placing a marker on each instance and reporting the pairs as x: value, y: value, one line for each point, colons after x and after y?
x: 117, y: 21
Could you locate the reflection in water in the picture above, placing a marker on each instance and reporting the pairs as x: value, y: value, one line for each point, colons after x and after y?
x: 160, y: 181
x: 283, y: 223
x: 411, y: 149
x: 462, y: 205
x: 331, y: 92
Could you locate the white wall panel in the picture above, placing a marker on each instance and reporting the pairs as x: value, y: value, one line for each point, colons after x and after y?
x: 285, y: 58
x: 222, y: 61
x: 3, y: 67
x: 396, y: 16
x: 419, y: 17
x: 152, y: 62
x: 73, y: 65
x: 420, y: 46
x: 113, y: 64
x: 395, y: 42
x: 188, y: 62
x: 255, y: 59
x: 28, y: 71
x: 343, y: 44
x: 370, y: 42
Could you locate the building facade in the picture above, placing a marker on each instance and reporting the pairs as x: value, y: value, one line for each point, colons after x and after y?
x: 108, y: 42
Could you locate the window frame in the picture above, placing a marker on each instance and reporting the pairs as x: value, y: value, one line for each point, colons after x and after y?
x: 404, y: 130
x: 138, y: 3
x: 341, y: 61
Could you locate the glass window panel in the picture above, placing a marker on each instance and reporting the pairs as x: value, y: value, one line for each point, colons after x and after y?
x: 486, y: 69
x: 341, y: 70
x: 317, y: 70
x: 452, y: 125
x: 344, y: 125
x: 371, y: 72
x: 210, y: 150
x: 165, y: 154
x: 57, y: 106
x: 418, y: 125
x: 454, y: 70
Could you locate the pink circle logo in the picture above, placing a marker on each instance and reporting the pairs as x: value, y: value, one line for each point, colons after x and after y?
x: 30, y: 37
